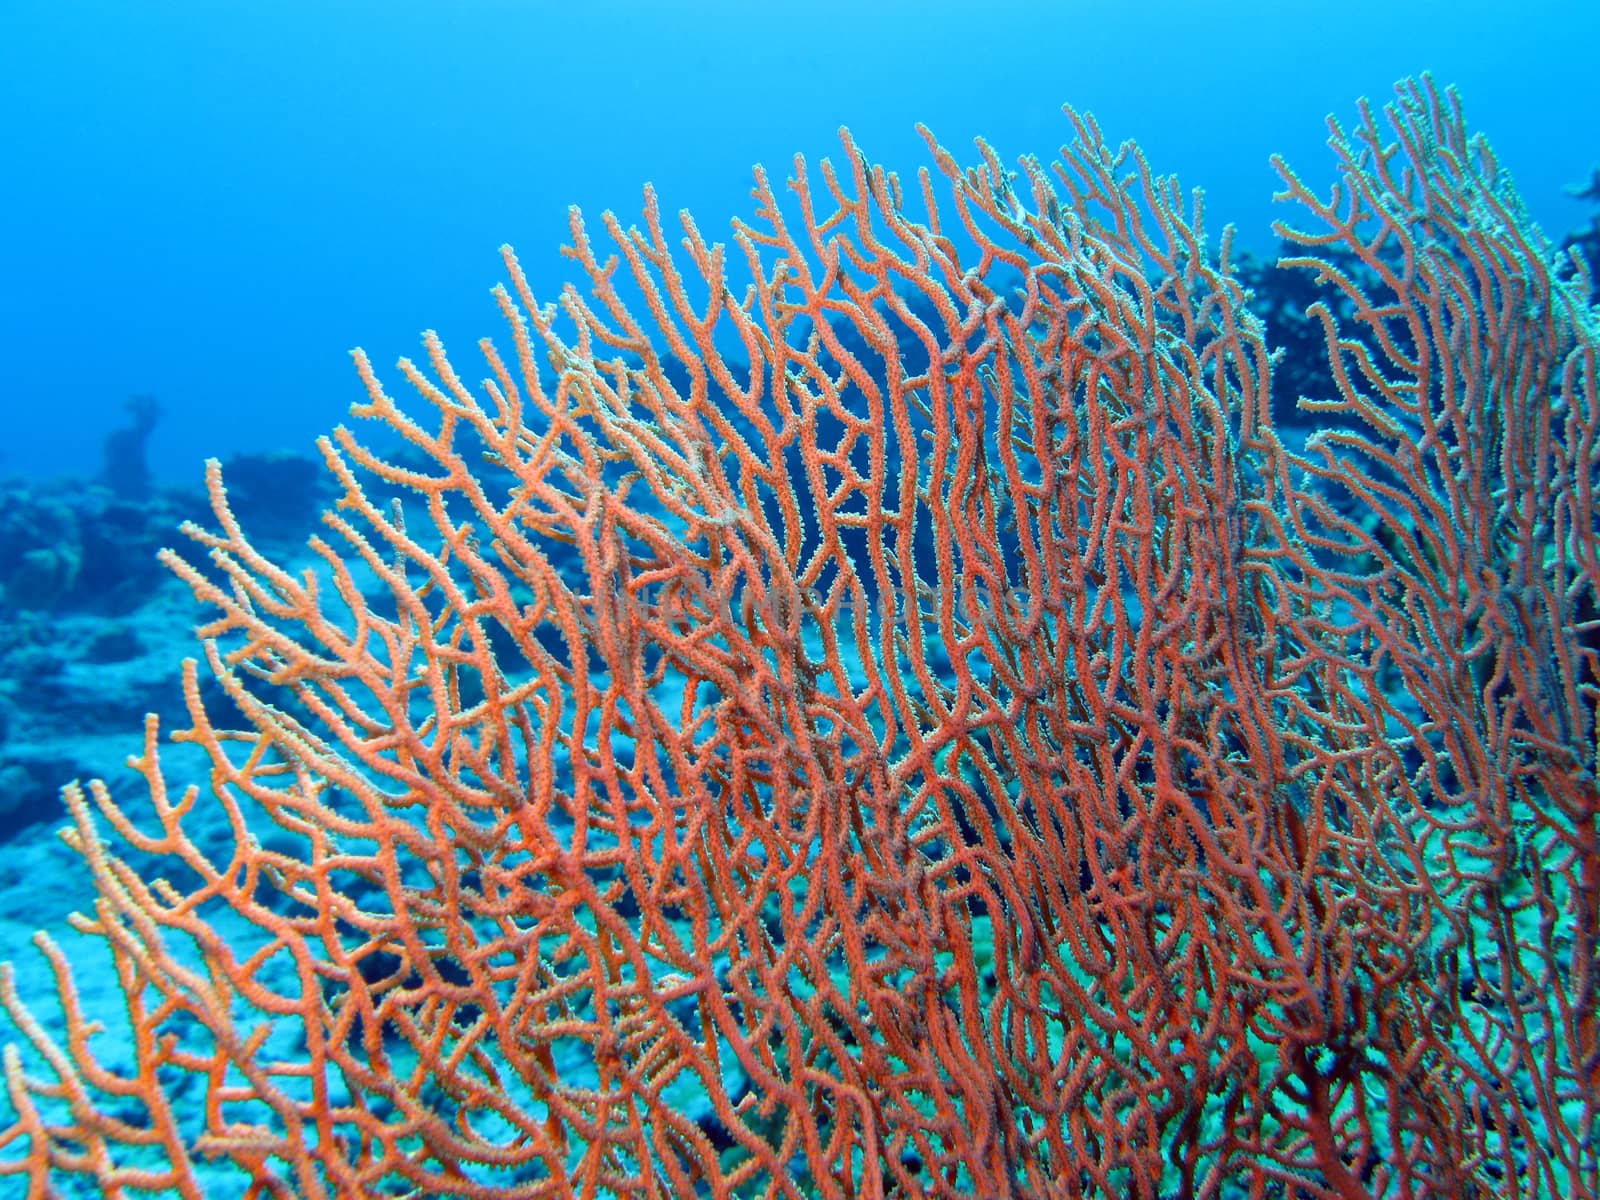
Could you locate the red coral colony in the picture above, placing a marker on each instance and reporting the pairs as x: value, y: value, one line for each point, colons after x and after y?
x: 882, y: 708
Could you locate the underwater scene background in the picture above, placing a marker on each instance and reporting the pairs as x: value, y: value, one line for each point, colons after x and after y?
x: 992, y: 686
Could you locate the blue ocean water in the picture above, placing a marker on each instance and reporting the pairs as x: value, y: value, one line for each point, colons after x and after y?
x: 213, y: 203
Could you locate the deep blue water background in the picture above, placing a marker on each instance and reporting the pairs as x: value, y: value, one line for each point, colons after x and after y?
x: 213, y: 202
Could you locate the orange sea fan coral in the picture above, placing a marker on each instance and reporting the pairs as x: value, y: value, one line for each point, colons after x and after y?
x: 908, y: 727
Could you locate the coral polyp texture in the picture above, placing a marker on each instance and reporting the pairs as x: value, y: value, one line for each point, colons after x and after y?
x: 878, y: 708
